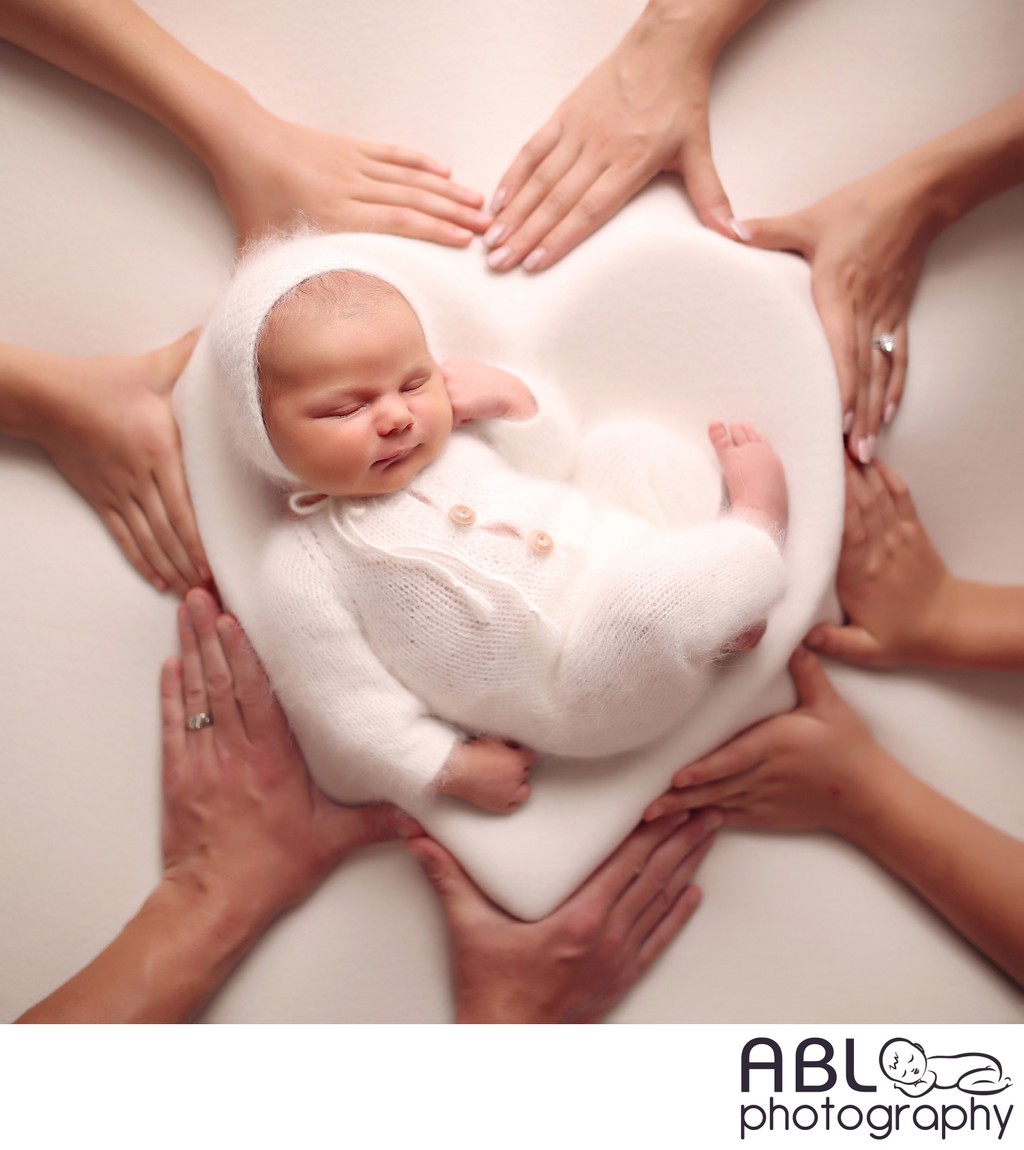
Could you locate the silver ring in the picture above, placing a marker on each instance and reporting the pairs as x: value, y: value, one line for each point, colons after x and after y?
x: 197, y: 722
x: 886, y: 342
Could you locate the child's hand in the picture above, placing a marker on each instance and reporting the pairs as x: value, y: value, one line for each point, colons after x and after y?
x: 481, y: 391
x: 489, y: 774
x: 893, y: 585
x: 810, y: 769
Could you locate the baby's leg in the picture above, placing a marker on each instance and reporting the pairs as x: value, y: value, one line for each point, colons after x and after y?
x: 488, y: 773
x: 645, y: 468
x: 641, y: 645
x: 753, y: 475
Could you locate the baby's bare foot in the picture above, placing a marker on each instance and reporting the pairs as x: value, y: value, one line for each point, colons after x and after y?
x: 753, y: 475
x: 488, y: 773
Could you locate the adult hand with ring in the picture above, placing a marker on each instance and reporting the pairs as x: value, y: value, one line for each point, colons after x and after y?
x: 867, y: 243
x: 246, y: 835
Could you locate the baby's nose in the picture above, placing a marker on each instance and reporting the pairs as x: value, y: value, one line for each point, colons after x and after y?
x: 394, y: 414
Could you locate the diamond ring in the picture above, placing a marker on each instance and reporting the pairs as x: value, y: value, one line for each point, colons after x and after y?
x: 886, y: 342
x: 197, y: 722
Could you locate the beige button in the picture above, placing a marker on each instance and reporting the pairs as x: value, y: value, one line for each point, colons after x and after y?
x: 462, y: 515
x: 540, y: 542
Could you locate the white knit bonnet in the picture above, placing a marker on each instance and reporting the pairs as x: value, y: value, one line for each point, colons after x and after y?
x: 264, y: 275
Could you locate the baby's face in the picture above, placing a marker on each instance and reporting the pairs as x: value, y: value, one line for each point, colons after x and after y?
x: 904, y: 1062
x: 357, y: 406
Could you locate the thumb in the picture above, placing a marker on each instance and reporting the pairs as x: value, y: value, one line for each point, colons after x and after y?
x: 812, y: 684
x: 706, y: 192
x: 780, y: 233
x: 460, y: 898
x: 852, y: 644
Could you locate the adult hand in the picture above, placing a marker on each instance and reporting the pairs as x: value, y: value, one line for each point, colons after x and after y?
x: 111, y: 433
x: 244, y: 827
x: 805, y: 770
x: 574, y: 965
x: 285, y: 172
x: 892, y: 583
x: 641, y: 111
x: 866, y: 245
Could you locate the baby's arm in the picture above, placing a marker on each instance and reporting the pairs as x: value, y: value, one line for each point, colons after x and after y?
x: 531, y: 427
x: 363, y: 733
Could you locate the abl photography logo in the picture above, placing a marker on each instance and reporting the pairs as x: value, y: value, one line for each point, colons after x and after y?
x: 797, y: 1090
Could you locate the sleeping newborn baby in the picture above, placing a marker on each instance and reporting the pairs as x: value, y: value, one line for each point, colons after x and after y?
x: 461, y: 575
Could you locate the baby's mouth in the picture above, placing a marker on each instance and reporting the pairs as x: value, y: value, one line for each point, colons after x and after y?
x: 395, y: 457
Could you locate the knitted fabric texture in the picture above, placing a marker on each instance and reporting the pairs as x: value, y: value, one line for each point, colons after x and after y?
x: 573, y: 617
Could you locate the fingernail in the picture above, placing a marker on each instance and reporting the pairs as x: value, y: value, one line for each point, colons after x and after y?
x: 160, y: 584
x: 498, y: 257
x: 654, y: 811
x: 494, y: 234
x: 462, y: 234
x: 847, y: 423
x: 498, y: 200
x: 890, y: 413
x: 534, y: 258
x: 866, y: 449
x: 738, y: 230
x: 205, y: 573
x: 811, y: 639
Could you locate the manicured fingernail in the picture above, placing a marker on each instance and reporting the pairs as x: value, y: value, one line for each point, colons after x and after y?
x: 890, y: 413
x: 534, y: 258
x: 494, y: 234
x: 866, y: 449
x: 738, y: 230
x: 847, y: 423
x: 498, y: 257
x: 498, y: 200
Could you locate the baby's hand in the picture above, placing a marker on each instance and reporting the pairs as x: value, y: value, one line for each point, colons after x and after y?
x: 481, y: 391
x: 489, y: 774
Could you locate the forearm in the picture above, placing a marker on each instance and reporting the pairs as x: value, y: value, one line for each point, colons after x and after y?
x: 949, y: 176
x: 982, y: 629
x: 33, y: 385
x: 970, y: 872
x: 164, y: 966
x: 707, y: 24
x: 114, y: 45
